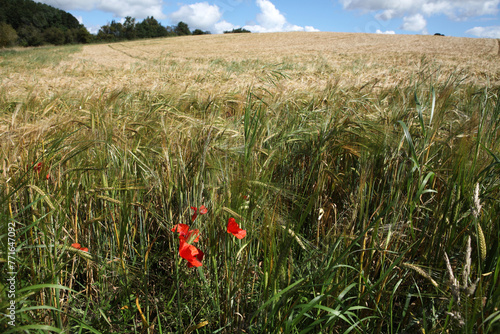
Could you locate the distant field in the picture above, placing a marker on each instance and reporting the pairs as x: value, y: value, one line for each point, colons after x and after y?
x: 364, y: 170
x: 221, y: 63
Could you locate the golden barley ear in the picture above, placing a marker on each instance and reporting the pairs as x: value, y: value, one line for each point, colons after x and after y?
x: 421, y: 272
x: 482, y: 241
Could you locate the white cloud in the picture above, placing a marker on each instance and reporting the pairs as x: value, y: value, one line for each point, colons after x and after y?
x: 387, y: 32
x: 138, y: 9
x: 204, y: 16
x: 488, y: 32
x: 454, y: 9
x: 200, y: 15
x: 310, y: 29
x: 270, y: 19
x: 222, y: 26
x: 414, y: 23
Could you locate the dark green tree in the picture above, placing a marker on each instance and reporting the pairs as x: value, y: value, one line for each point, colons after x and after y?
x: 182, y: 29
x: 31, y: 20
x: 82, y: 35
x: 129, y: 28
x: 237, y: 31
x: 54, y: 36
x: 30, y: 36
x: 111, y: 32
x: 150, y: 28
x: 201, y: 32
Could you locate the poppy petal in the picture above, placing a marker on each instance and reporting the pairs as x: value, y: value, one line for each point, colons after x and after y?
x: 84, y: 249
x: 234, y: 229
x: 199, y: 257
x: 38, y: 167
x: 76, y: 245
x: 189, y: 252
x: 194, y: 232
x: 182, y: 229
x: 195, y: 214
x: 203, y: 210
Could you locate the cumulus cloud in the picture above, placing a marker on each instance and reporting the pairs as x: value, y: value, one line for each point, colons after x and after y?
x: 457, y: 9
x: 270, y: 19
x: 488, y: 32
x: 415, y: 11
x: 310, y: 29
x: 222, y: 26
x: 119, y: 8
x: 414, y: 23
x: 387, y: 32
x: 204, y: 16
x: 200, y: 15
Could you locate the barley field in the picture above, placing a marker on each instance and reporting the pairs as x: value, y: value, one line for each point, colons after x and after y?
x: 251, y: 183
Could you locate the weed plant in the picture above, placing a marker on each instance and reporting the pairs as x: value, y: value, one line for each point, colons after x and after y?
x: 367, y: 209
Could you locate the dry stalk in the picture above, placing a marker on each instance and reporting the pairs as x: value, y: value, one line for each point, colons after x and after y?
x: 455, y: 286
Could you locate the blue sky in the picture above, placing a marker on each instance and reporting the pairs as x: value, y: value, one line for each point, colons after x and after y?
x: 463, y: 18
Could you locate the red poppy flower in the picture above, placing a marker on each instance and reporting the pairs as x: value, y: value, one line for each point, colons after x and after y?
x: 195, y: 214
x: 199, y: 257
x: 189, y: 253
x: 181, y: 228
x: 203, y: 210
x: 38, y: 167
x: 79, y: 247
x: 184, y: 231
x: 234, y: 229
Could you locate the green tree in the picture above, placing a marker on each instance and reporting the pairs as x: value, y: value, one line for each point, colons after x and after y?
x: 237, y: 31
x: 30, y: 19
x: 150, y: 28
x: 200, y: 32
x: 117, y: 29
x: 182, y: 29
x: 129, y: 28
x: 8, y: 35
x: 111, y: 32
x: 54, y: 36
x: 29, y: 36
x: 83, y: 35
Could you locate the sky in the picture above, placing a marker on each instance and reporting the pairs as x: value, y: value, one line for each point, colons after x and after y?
x: 461, y: 18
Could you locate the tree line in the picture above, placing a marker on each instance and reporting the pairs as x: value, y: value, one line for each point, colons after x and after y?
x: 147, y: 28
x: 29, y: 23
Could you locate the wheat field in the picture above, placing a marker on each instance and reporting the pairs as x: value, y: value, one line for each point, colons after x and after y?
x: 363, y: 169
x: 220, y: 63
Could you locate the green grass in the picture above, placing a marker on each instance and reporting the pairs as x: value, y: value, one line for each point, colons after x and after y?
x: 31, y: 58
x: 354, y: 197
